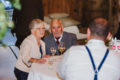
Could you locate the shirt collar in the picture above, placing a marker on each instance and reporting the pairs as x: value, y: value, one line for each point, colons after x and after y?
x: 34, y: 39
x: 59, y: 38
x: 97, y: 42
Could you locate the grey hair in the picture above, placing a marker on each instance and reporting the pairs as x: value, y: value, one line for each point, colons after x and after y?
x: 34, y: 22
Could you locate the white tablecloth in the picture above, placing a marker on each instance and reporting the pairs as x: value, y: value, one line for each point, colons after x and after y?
x: 45, y: 71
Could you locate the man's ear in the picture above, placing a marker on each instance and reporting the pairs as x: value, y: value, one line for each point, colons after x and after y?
x: 88, y: 33
x: 109, y: 36
x: 62, y: 26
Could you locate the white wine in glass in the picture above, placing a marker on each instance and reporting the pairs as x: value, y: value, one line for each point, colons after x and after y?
x: 61, y: 47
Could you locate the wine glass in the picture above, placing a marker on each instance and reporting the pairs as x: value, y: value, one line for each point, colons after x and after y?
x: 53, y: 51
x: 61, y: 47
x: 50, y: 59
x: 50, y: 63
x: 110, y: 44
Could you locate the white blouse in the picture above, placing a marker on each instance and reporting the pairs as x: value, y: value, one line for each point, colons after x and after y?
x: 29, y: 49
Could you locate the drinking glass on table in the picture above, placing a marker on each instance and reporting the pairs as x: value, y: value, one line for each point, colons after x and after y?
x: 61, y: 47
x: 111, y: 45
x: 53, y: 51
x: 50, y: 63
x: 51, y: 59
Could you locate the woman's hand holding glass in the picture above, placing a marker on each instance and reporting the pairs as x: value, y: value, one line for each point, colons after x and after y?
x: 34, y: 60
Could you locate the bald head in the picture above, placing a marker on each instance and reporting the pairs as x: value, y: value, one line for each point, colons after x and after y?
x: 55, y: 21
x: 99, y: 28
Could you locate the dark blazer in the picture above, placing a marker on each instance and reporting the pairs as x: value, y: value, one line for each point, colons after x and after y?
x: 68, y: 38
x: 30, y: 10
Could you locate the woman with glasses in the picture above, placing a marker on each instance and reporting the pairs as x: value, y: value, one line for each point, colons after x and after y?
x: 31, y: 51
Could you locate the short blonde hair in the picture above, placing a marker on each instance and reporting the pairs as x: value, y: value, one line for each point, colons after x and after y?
x: 34, y: 22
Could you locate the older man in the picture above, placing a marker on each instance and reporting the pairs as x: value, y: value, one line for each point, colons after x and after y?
x: 92, y: 61
x: 57, y: 35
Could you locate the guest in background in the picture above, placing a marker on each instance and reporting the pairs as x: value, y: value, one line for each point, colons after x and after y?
x: 30, y: 10
x: 92, y: 61
x: 57, y: 35
x: 31, y: 51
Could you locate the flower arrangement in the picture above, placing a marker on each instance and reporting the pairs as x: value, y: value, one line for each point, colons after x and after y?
x: 5, y: 23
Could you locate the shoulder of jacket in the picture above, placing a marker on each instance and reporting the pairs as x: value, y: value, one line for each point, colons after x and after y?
x: 48, y: 36
x: 67, y: 33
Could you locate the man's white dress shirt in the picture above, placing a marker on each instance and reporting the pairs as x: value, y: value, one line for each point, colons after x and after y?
x: 29, y: 49
x: 76, y: 64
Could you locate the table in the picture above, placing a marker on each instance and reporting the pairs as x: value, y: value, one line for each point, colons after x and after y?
x: 45, y: 71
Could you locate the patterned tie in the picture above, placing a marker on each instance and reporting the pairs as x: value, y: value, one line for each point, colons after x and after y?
x: 57, y: 40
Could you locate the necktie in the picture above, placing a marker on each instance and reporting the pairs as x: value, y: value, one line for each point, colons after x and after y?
x: 57, y: 40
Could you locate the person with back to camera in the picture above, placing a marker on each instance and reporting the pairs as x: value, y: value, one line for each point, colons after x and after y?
x: 31, y: 51
x: 93, y: 61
